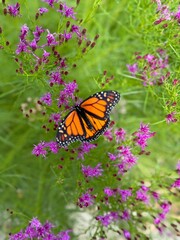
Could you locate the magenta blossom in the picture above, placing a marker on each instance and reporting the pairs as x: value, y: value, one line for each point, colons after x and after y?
x: 165, y: 206
x: 66, y: 11
x: 120, y: 135
x: 127, y: 234
x: 42, y: 10
x: 50, y: 2
x: 133, y: 69
x: 142, y: 135
x: 84, y: 149
x: 56, y: 78
x: 24, y: 32
x: 171, y: 118
x: 55, y: 117
x: 85, y: 200
x: 109, y: 192
x: 125, y: 215
x: 41, y: 148
x: 36, y: 230
x: 125, y: 194
x: 14, y: 10
x: 108, y: 218
x: 47, y: 99
x: 92, y: 172
x: 142, y: 195
x: 176, y: 183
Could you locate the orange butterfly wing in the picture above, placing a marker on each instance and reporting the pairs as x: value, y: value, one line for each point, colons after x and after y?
x: 88, y: 120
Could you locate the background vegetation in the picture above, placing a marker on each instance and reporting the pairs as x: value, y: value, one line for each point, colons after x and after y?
x: 31, y: 186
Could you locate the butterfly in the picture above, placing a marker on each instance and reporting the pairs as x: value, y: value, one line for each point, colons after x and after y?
x: 88, y: 120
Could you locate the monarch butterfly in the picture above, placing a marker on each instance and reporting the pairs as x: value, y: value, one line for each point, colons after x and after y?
x: 87, y: 120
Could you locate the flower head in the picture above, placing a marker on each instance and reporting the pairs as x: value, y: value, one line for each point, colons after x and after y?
x: 120, y: 135
x: 47, y: 99
x: 143, y: 135
x: 132, y: 68
x: 108, y: 218
x: 171, y: 118
x: 92, y: 172
x: 36, y: 230
x: 84, y: 149
x: 42, y: 10
x: 39, y: 149
x: 66, y: 11
x: 86, y: 200
x: 127, y: 234
x: 50, y: 2
x: 14, y: 10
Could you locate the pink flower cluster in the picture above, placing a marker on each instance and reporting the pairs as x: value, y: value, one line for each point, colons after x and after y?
x: 36, y: 230
x: 151, y: 69
x: 165, y: 14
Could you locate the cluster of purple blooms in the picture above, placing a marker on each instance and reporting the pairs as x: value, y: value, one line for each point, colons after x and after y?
x: 153, y: 70
x: 165, y: 14
x: 176, y: 183
x: 37, y: 230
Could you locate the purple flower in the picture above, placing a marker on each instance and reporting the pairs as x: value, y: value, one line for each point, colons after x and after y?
x: 86, y: 200
x: 149, y: 58
x: 176, y: 184
x: 143, y: 135
x: 177, y: 15
x: 108, y: 134
x: 35, y: 230
x: 88, y: 171
x: 37, y: 33
x: 128, y: 160
x: 76, y: 29
x: 66, y: 11
x: 84, y: 149
x: 47, y: 99
x: 127, y: 234
x: 64, y: 235
x: 165, y: 206
x: 50, y: 2
x: 67, y: 36
x: 125, y: 194
x: 155, y: 195
x: 70, y: 88
x: 132, y: 68
x: 112, y: 156
x: 39, y: 149
x: 108, y: 218
x: 141, y: 194
x: 53, y: 146
x: 125, y: 215
x: 56, y: 78
x: 22, y: 47
x: 14, y: 10
x: 55, y: 117
x: 24, y: 32
x: 42, y: 10
x: 109, y: 192
x: 33, y: 45
x: 51, y: 41
x: 120, y: 135
x: 170, y: 117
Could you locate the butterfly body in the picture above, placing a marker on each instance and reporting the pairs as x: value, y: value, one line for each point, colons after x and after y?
x: 87, y: 120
